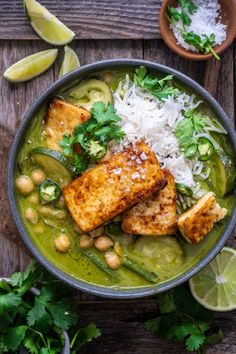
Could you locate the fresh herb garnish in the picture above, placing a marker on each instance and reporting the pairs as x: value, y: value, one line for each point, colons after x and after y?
x: 204, y: 45
x: 157, y: 87
x: 183, y: 319
x: 187, y: 8
x: 92, y: 137
x: 186, y: 130
x: 37, y: 322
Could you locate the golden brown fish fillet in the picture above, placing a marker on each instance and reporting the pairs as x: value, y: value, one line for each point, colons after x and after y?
x: 154, y: 216
x: 61, y: 118
x: 105, y: 191
x: 198, y: 221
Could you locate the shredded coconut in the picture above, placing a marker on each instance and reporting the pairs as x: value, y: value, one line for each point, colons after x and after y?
x: 205, y: 20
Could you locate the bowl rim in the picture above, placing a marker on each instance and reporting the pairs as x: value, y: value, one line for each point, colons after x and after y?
x: 112, y: 292
x: 188, y: 54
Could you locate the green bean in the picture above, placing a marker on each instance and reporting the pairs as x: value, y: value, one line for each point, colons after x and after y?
x: 137, y: 268
x: 99, y: 263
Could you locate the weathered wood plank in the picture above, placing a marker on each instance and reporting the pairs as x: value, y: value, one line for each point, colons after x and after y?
x: 93, y: 19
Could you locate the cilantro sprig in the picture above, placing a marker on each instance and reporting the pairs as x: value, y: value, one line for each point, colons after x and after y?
x: 186, y: 8
x: 37, y: 322
x: 203, y: 43
x: 186, y: 131
x: 157, y: 87
x: 89, y: 140
x: 182, y: 319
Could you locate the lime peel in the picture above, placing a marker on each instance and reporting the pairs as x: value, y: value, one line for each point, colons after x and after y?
x: 46, y: 25
x: 70, y: 61
x: 214, y: 287
x: 31, y: 66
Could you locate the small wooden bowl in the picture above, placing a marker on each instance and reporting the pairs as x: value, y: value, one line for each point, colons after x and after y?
x: 228, y: 14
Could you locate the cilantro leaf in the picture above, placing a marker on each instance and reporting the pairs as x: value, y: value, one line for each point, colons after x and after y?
x: 204, y: 45
x: 195, y: 341
x: 30, y: 342
x: 166, y: 303
x: 83, y: 336
x: 8, y: 302
x: 186, y: 130
x: 157, y: 87
x: 14, y: 337
x: 98, y: 131
x: 186, y: 8
x: 183, y: 319
x: 63, y: 313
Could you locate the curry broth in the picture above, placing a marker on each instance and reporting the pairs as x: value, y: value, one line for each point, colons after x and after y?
x: 78, y: 265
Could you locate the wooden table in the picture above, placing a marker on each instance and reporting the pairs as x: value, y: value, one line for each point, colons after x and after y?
x: 105, y: 29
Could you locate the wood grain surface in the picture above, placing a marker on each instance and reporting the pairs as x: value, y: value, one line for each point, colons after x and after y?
x: 120, y: 321
x: 89, y: 19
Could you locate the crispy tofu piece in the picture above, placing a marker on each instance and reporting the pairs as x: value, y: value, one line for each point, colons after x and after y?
x: 61, y: 118
x: 198, y: 221
x: 108, y: 189
x: 154, y: 216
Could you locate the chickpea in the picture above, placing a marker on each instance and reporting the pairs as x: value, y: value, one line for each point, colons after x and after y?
x: 38, y: 176
x: 31, y: 215
x: 39, y: 229
x: 77, y: 229
x: 62, y: 243
x: 60, y: 203
x: 97, y: 232
x: 86, y: 241
x: 24, y: 185
x: 60, y: 214
x: 103, y: 243
x: 108, y: 77
x: 33, y: 199
x: 112, y: 260
x: 46, y: 211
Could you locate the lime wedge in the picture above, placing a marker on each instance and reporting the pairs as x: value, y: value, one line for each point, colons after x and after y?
x: 31, y: 66
x: 46, y: 25
x: 215, y: 286
x: 70, y: 61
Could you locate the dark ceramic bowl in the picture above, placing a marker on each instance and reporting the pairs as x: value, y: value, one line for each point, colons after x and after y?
x: 54, y: 89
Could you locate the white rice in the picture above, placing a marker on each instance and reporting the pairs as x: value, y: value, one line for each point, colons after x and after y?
x: 144, y: 116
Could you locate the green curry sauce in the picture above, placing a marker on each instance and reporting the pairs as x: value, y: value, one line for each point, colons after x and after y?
x: 167, y: 256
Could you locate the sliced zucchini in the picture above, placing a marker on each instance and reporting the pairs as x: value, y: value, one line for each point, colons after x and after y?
x: 90, y: 91
x: 227, y: 158
x: 55, y: 165
x: 222, y: 174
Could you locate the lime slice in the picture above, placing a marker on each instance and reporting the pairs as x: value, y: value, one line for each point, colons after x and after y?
x: 70, y: 61
x: 31, y: 66
x: 46, y: 25
x: 215, y: 286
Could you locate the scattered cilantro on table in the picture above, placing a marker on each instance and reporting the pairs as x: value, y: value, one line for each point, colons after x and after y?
x: 92, y: 137
x: 36, y: 322
x: 187, y: 8
x: 157, y: 87
x: 183, y: 319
